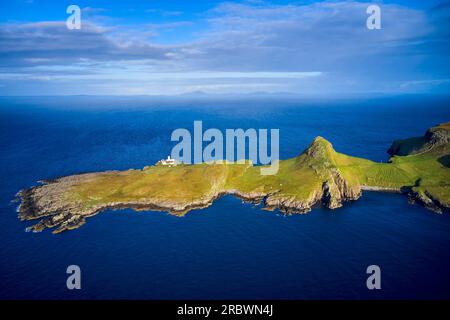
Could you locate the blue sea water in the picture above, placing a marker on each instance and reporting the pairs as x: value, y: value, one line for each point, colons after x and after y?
x: 229, y: 250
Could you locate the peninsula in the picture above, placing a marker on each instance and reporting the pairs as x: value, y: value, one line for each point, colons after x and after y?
x: 418, y: 167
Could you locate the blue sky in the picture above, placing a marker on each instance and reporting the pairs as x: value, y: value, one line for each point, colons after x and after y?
x: 175, y: 47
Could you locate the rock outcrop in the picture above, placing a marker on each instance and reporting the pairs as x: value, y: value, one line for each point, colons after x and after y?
x: 434, y: 137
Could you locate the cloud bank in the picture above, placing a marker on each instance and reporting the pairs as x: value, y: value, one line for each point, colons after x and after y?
x: 318, y: 48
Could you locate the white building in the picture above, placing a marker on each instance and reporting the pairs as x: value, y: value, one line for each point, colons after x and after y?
x: 168, y: 162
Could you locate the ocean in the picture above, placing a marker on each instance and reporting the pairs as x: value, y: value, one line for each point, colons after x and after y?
x: 229, y: 250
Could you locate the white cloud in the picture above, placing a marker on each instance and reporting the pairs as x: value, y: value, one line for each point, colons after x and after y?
x: 320, y: 47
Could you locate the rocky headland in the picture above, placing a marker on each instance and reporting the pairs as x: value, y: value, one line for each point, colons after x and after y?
x: 419, y: 168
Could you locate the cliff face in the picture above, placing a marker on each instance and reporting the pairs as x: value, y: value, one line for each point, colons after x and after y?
x: 434, y: 192
x: 424, y: 198
x: 434, y: 137
x: 291, y: 204
x: 337, y: 190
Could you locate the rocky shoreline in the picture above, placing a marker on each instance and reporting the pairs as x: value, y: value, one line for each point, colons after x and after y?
x: 60, y: 217
x: 331, y: 196
x: 428, y: 201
